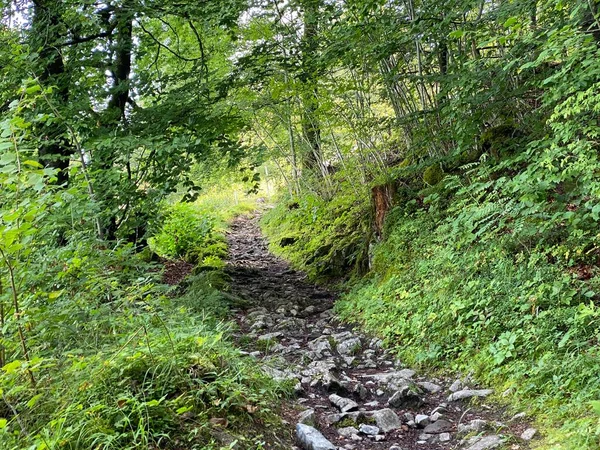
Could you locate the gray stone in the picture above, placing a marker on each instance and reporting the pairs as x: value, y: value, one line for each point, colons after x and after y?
x: 376, y: 343
x: 394, y: 379
x: 437, y: 427
x: 436, y: 416
x: 280, y: 375
x: 320, y: 346
x: 310, y: 438
x: 347, y: 431
x: 528, y: 434
x: 349, y: 347
x: 430, y: 387
x: 402, y: 396
x: 270, y: 336
x: 342, y: 403
x: 422, y: 420
x: 396, y: 447
x: 475, y: 425
x: 427, y: 437
x: 369, y: 430
x: 361, y: 391
x: 457, y: 386
x: 445, y: 437
x: 486, y: 443
x: 386, y: 420
x: 307, y: 417
x: 469, y: 393
x: 518, y: 416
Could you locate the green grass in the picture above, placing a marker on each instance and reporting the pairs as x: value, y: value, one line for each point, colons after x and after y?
x: 122, y: 361
x: 451, y: 294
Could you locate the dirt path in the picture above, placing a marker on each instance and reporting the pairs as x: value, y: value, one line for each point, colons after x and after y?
x: 349, y: 389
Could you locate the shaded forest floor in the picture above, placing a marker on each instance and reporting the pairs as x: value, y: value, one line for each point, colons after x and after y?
x: 348, y: 386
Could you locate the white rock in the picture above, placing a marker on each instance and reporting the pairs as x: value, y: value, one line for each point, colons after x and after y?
x: 445, y: 437
x: 307, y: 417
x: 528, y: 434
x: 311, y: 439
x: 456, y: 386
x: 475, y: 425
x: 469, y: 393
x: 369, y: 430
x: 422, y: 420
x: 486, y: 443
x: 430, y: 387
x: 347, y: 431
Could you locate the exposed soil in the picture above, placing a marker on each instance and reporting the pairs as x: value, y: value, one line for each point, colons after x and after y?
x: 291, y: 330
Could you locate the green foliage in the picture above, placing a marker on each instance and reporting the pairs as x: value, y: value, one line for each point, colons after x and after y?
x: 324, y: 237
x: 193, y: 231
x: 185, y: 233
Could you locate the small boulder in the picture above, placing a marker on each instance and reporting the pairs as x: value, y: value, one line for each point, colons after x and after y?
x: 469, y: 393
x: 457, y: 386
x: 369, y: 430
x: 342, y: 403
x: 403, y: 396
x: 347, y: 431
x: 430, y: 387
x: 310, y: 438
x: 486, y: 443
x: 386, y: 420
x: 528, y: 434
x: 445, y: 437
x: 422, y: 420
x: 438, y: 427
x: 349, y: 347
x: 475, y: 425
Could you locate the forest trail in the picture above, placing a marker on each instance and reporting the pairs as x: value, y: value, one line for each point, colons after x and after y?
x: 349, y: 388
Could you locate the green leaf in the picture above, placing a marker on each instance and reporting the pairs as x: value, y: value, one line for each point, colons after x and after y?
x: 595, y: 404
x: 33, y: 89
x: 3, y: 423
x: 457, y: 34
x: 31, y: 403
x: 12, y: 367
x: 32, y: 163
x: 510, y: 22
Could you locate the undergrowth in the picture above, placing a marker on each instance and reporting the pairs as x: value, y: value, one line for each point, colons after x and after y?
x: 466, y: 281
x: 324, y: 237
x: 123, y: 361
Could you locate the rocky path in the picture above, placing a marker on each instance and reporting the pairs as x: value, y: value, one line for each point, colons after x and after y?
x: 351, y: 393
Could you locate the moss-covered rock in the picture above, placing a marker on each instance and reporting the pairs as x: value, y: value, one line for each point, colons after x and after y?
x: 501, y: 140
x: 433, y: 175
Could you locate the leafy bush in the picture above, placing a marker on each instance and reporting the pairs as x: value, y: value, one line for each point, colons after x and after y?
x: 184, y: 233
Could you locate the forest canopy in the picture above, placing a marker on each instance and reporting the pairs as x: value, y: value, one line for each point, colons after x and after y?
x: 440, y: 157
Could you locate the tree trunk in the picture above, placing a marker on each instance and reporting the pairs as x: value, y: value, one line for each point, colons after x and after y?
x: 55, y: 149
x: 311, y: 129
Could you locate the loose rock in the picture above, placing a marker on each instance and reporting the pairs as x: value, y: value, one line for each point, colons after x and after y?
x: 343, y: 404
x: 386, y: 420
x: 311, y: 439
x: 368, y: 429
x: 486, y: 443
x: 469, y: 393
x: 528, y: 434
